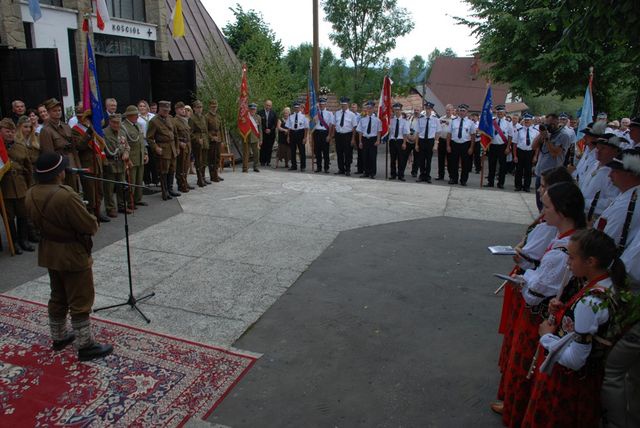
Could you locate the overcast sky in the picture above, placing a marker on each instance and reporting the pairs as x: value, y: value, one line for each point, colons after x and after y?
x: 292, y: 22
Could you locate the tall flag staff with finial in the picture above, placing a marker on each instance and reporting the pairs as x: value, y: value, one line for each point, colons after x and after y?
x: 311, y: 108
x: 486, y: 127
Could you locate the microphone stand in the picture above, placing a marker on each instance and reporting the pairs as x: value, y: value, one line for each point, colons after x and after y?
x: 132, y: 300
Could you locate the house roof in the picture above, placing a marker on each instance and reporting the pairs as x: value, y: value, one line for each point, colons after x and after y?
x: 430, y: 96
x: 457, y: 80
x: 202, y: 37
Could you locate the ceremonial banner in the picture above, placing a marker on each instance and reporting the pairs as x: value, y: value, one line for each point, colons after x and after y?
x: 178, y: 20
x: 92, y: 99
x: 486, y: 120
x: 586, y: 112
x: 5, y: 162
x: 102, y: 13
x: 245, y: 121
x: 34, y: 10
x: 384, y: 105
x: 311, y: 107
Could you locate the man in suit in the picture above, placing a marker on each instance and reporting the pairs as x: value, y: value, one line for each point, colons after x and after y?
x: 268, y: 120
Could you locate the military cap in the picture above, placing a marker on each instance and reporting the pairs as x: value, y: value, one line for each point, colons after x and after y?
x: 253, y: 105
x: 499, y: 107
x: 463, y: 107
x: 602, y: 115
x: 629, y: 160
x: 397, y: 105
x: 164, y: 104
x: 7, y: 123
x: 50, y: 164
x: 296, y: 104
x: 428, y: 104
x: 322, y: 99
x: 344, y: 100
x: 179, y: 104
x: 131, y: 110
x: 115, y: 117
x: 51, y: 103
x: 370, y: 103
x: 527, y: 116
x: 196, y: 103
x: 563, y: 115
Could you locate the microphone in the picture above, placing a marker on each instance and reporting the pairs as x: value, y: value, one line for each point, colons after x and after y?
x: 81, y: 171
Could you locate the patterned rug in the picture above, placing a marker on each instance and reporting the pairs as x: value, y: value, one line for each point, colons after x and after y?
x: 149, y: 380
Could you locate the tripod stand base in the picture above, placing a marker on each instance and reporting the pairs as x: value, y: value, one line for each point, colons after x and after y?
x: 133, y: 302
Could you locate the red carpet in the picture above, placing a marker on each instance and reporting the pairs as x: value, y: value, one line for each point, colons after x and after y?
x: 149, y: 380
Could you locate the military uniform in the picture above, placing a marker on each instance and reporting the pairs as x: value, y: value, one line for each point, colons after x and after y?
x: 114, y: 168
x: 56, y: 137
x: 183, y: 134
x: 65, y: 250
x: 90, y: 158
x: 461, y: 132
x: 14, y: 186
x: 251, y: 145
x: 500, y: 145
x: 200, y: 144
x: 137, y: 153
x: 161, y: 134
x: 214, y: 125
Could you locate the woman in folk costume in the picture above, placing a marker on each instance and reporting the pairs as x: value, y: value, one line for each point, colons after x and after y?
x: 529, y: 252
x: 564, y: 209
x: 567, y: 393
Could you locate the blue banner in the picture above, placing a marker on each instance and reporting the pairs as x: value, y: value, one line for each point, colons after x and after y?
x: 34, y: 10
x: 486, y: 116
x: 97, y: 114
x: 313, y: 112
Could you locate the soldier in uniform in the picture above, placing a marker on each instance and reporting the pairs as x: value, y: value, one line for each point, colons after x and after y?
x: 164, y: 143
x: 429, y: 128
x: 199, y: 141
x: 369, y: 130
x: 138, y: 155
x: 183, y: 133
x: 252, y: 141
x: 55, y: 136
x: 460, y: 139
x: 65, y: 250
x: 500, y: 147
x: 91, y: 157
x: 214, y: 123
x: 14, y: 185
x: 117, y: 158
x: 322, y: 135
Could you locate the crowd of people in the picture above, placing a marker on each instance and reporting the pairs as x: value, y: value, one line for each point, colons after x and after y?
x: 570, y: 354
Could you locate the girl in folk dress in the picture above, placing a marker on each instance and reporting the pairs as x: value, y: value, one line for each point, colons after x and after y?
x: 563, y: 208
x: 570, y: 395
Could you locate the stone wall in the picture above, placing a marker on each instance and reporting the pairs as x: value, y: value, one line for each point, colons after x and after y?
x: 156, y: 13
x: 11, y: 27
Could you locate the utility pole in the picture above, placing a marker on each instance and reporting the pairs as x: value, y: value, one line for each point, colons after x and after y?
x: 315, y: 63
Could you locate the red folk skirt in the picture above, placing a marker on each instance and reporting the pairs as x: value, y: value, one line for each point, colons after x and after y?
x: 512, y: 304
x: 565, y: 399
x: 516, y: 386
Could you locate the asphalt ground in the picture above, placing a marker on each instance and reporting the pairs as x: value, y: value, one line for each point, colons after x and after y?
x: 392, y: 326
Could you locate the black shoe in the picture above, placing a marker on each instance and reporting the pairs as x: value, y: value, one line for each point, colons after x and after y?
x: 500, y: 186
x: 293, y: 168
x: 317, y: 170
x: 26, y: 246
x: 489, y: 185
x: 414, y: 174
x: 338, y: 173
x: 453, y: 182
x: 59, y: 345
x: 364, y: 176
x: 142, y: 204
x: 373, y: 177
x: 190, y: 187
x: 401, y: 179
x: 256, y: 170
x: 103, y: 219
x: 207, y: 181
x: 439, y: 178
x: 219, y: 179
x: 359, y: 172
x: 173, y: 193
x: 94, y: 351
x: 428, y: 180
x: 518, y: 189
x: 303, y: 169
x: 526, y: 190
x: 348, y: 173
x: 326, y: 171
x: 463, y: 183
x: 393, y: 177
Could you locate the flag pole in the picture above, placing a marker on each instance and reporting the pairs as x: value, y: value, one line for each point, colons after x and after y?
x: 5, y: 220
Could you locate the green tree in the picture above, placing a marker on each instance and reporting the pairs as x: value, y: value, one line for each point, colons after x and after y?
x: 399, y: 74
x: 366, y: 31
x: 542, y: 46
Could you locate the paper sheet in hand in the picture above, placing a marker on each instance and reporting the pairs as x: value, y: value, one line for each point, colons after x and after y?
x: 516, y: 280
x: 502, y: 250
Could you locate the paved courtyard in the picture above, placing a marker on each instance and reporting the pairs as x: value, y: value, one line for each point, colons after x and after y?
x: 225, y: 261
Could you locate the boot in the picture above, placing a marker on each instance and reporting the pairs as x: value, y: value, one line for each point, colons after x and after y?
x: 214, y: 175
x: 163, y: 187
x: 23, y: 233
x: 33, y: 232
x: 14, y: 237
x: 60, y: 336
x: 170, y: 179
x: 200, y: 181
x: 87, y: 348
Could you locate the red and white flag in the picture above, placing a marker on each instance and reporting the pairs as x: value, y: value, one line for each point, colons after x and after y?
x: 5, y: 162
x: 102, y: 13
x: 246, y: 124
x: 384, y: 106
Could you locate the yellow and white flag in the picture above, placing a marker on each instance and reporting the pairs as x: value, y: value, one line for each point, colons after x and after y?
x: 178, y: 20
